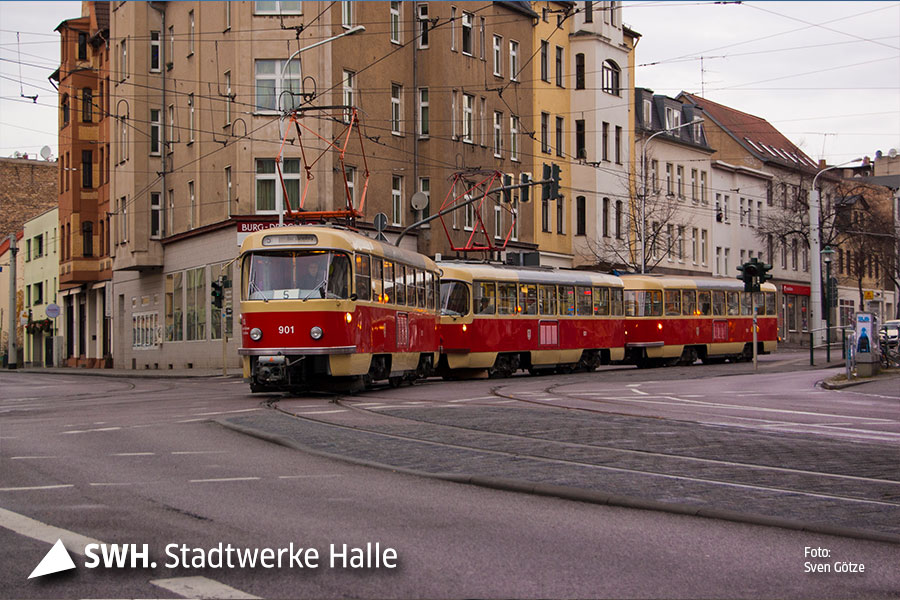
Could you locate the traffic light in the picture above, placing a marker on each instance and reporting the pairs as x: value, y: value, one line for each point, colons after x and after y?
x: 764, y: 274
x: 217, y: 295
x: 546, y: 183
x: 750, y: 275
x: 554, y: 176
x: 525, y: 190
x: 507, y: 190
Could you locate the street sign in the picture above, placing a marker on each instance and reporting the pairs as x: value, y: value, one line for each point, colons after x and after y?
x: 380, y: 222
x: 52, y: 311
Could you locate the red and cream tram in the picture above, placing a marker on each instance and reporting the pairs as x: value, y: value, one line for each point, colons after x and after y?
x: 320, y: 303
x: 503, y: 319
x: 677, y: 320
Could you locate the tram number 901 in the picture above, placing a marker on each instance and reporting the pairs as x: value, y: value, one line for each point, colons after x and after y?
x: 285, y: 329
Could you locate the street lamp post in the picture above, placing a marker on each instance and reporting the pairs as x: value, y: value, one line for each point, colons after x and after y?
x: 815, y: 242
x: 644, y: 188
x: 284, y: 67
x: 826, y: 258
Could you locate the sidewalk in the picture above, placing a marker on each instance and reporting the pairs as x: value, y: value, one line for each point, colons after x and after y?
x: 233, y: 372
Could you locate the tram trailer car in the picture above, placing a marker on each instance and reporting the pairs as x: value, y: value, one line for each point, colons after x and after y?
x: 502, y: 319
x: 322, y: 305
x: 678, y: 320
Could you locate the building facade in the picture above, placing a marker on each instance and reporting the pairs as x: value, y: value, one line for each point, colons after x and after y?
x: 40, y: 250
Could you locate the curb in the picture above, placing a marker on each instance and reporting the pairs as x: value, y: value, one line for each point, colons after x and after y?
x: 839, y: 385
x: 129, y: 374
x: 577, y: 494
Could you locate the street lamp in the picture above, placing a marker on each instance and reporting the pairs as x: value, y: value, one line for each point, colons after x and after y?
x: 284, y: 67
x: 815, y: 293
x: 644, y: 188
x: 826, y: 257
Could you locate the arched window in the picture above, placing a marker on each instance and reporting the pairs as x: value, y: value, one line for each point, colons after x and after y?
x: 611, y: 78
x: 579, y: 71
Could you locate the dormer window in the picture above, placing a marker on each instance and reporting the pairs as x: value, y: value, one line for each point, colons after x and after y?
x: 673, y: 119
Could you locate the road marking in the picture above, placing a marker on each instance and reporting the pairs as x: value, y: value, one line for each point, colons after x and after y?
x: 37, y: 487
x: 417, y: 402
x: 178, y: 452
x: 30, y: 457
x: 504, y: 401
x: 111, y: 484
x: 474, y: 399
x: 133, y: 454
x: 637, y: 391
x: 308, y: 476
x: 201, y: 587
x: 322, y: 412
x: 192, y: 420
x: 223, y: 479
x: 228, y: 412
x: 91, y: 430
x: 74, y: 542
x: 368, y: 403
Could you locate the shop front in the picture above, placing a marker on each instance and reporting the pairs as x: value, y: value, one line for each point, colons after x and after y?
x: 794, y: 323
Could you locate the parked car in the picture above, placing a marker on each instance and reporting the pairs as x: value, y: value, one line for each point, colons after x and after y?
x: 890, y: 333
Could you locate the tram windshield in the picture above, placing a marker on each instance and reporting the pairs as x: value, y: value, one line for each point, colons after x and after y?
x: 296, y: 275
x: 454, y: 298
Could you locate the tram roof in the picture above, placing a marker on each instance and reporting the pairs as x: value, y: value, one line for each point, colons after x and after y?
x: 333, y: 238
x: 683, y: 282
x: 546, y: 275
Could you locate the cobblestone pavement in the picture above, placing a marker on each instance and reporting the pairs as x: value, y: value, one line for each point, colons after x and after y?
x: 826, y: 483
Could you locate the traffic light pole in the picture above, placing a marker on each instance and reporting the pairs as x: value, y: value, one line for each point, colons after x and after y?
x: 755, y: 313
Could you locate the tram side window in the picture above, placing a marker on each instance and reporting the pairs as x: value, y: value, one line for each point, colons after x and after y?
x: 601, y: 301
x: 631, y: 300
x: 377, y: 280
x: 673, y: 303
x: 759, y: 303
x: 584, y: 301
x: 733, y: 303
x: 507, y: 303
x: 617, y: 305
x: 420, y: 287
x: 653, y: 306
x: 429, y: 290
x: 547, y: 299
x: 363, y: 277
x: 688, y: 302
x: 529, y: 298
x: 746, y: 307
x: 770, y: 303
x: 485, y: 294
x: 704, y: 303
x: 400, y: 284
x: 566, y: 300
x: 389, y: 282
x: 718, y: 303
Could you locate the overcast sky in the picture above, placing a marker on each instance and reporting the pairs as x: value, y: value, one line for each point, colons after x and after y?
x: 826, y: 74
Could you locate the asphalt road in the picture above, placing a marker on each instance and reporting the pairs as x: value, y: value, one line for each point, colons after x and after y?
x: 139, y: 461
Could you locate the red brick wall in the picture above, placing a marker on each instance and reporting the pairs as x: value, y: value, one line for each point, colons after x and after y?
x: 27, y: 189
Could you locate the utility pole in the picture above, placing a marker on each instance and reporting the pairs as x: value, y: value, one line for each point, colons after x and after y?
x: 13, y: 314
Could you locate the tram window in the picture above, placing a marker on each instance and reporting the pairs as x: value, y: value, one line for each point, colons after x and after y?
x: 297, y: 275
x: 745, y: 303
x: 770, y: 303
x: 733, y: 303
x: 631, y: 298
x: 759, y: 302
x: 389, y: 282
x: 601, y: 301
x: 507, y: 303
x: 718, y: 303
x: 688, y: 302
x: 363, y: 277
x: 529, y: 298
x: 616, y: 303
x: 547, y: 299
x: 584, y: 303
x: 485, y: 294
x: 673, y: 303
x: 653, y: 304
x: 704, y: 304
x: 377, y: 282
x: 566, y: 300
x: 454, y: 298
x: 420, y: 287
x: 643, y: 303
x: 429, y: 290
x: 338, y: 277
x: 400, y: 284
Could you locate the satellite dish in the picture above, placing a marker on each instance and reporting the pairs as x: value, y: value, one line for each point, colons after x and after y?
x: 45, y: 152
x: 419, y: 201
x: 892, y: 153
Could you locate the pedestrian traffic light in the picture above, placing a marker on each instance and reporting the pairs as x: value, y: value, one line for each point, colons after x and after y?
x: 507, y: 189
x: 217, y: 295
x: 546, y: 183
x: 525, y: 190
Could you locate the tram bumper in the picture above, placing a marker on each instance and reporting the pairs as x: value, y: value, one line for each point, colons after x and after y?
x: 270, y: 369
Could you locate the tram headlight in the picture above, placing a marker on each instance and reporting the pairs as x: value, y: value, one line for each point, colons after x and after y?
x: 315, y: 333
x: 348, y: 317
x: 256, y: 334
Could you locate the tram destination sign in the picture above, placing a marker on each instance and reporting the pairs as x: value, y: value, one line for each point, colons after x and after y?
x: 246, y: 228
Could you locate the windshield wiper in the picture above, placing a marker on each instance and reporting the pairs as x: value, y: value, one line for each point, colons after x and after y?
x: 253, y: 287
x: 319, y: 288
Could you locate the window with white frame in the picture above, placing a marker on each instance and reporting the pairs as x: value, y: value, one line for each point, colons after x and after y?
x: 498, y: 134
x: 190, y: 118
x: 154, y: 52
x: 481, y: 38
x: 192, y: 198
x: 498, y: 56
x: 350, y: 174
x: 395, y: 22
x: 695, y: 253
x: 679, y: 176
x: 228, y: 191
x: 397, y: 200
x: 704, y: 246
x: 560, y: 136
x: 123, y: 60
x: 171, y: 125
x: 741, y: 206
x: 347, y: 14
x: 648, y: 113
x: 611, y: 75
x: 703, y: 189
x: 156, y: 216
x: 155, y: 130
x: 274, y: 91
x: 171, y: 46
x: 467, y: 118
x: 269, y: 193
x: 425, y: 188
x: 191, y: 33
x: 227, y: 16
x: 545, y: 61
x: 482, y: 118
x: 469, y: 211
x: 454, y: 132
x: 468, y: 22
x: 348, y: 84
x: 694, y: 188
x: 673, y: 120
x: 228, y: 100
x: 514, y: 60
x: 278, y: 7
x: 424, y: 127
x: 396, y: 109
x: 423, y: 25
x: 498, y: 222
x: 560, y: 69
x: 514, y: 137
